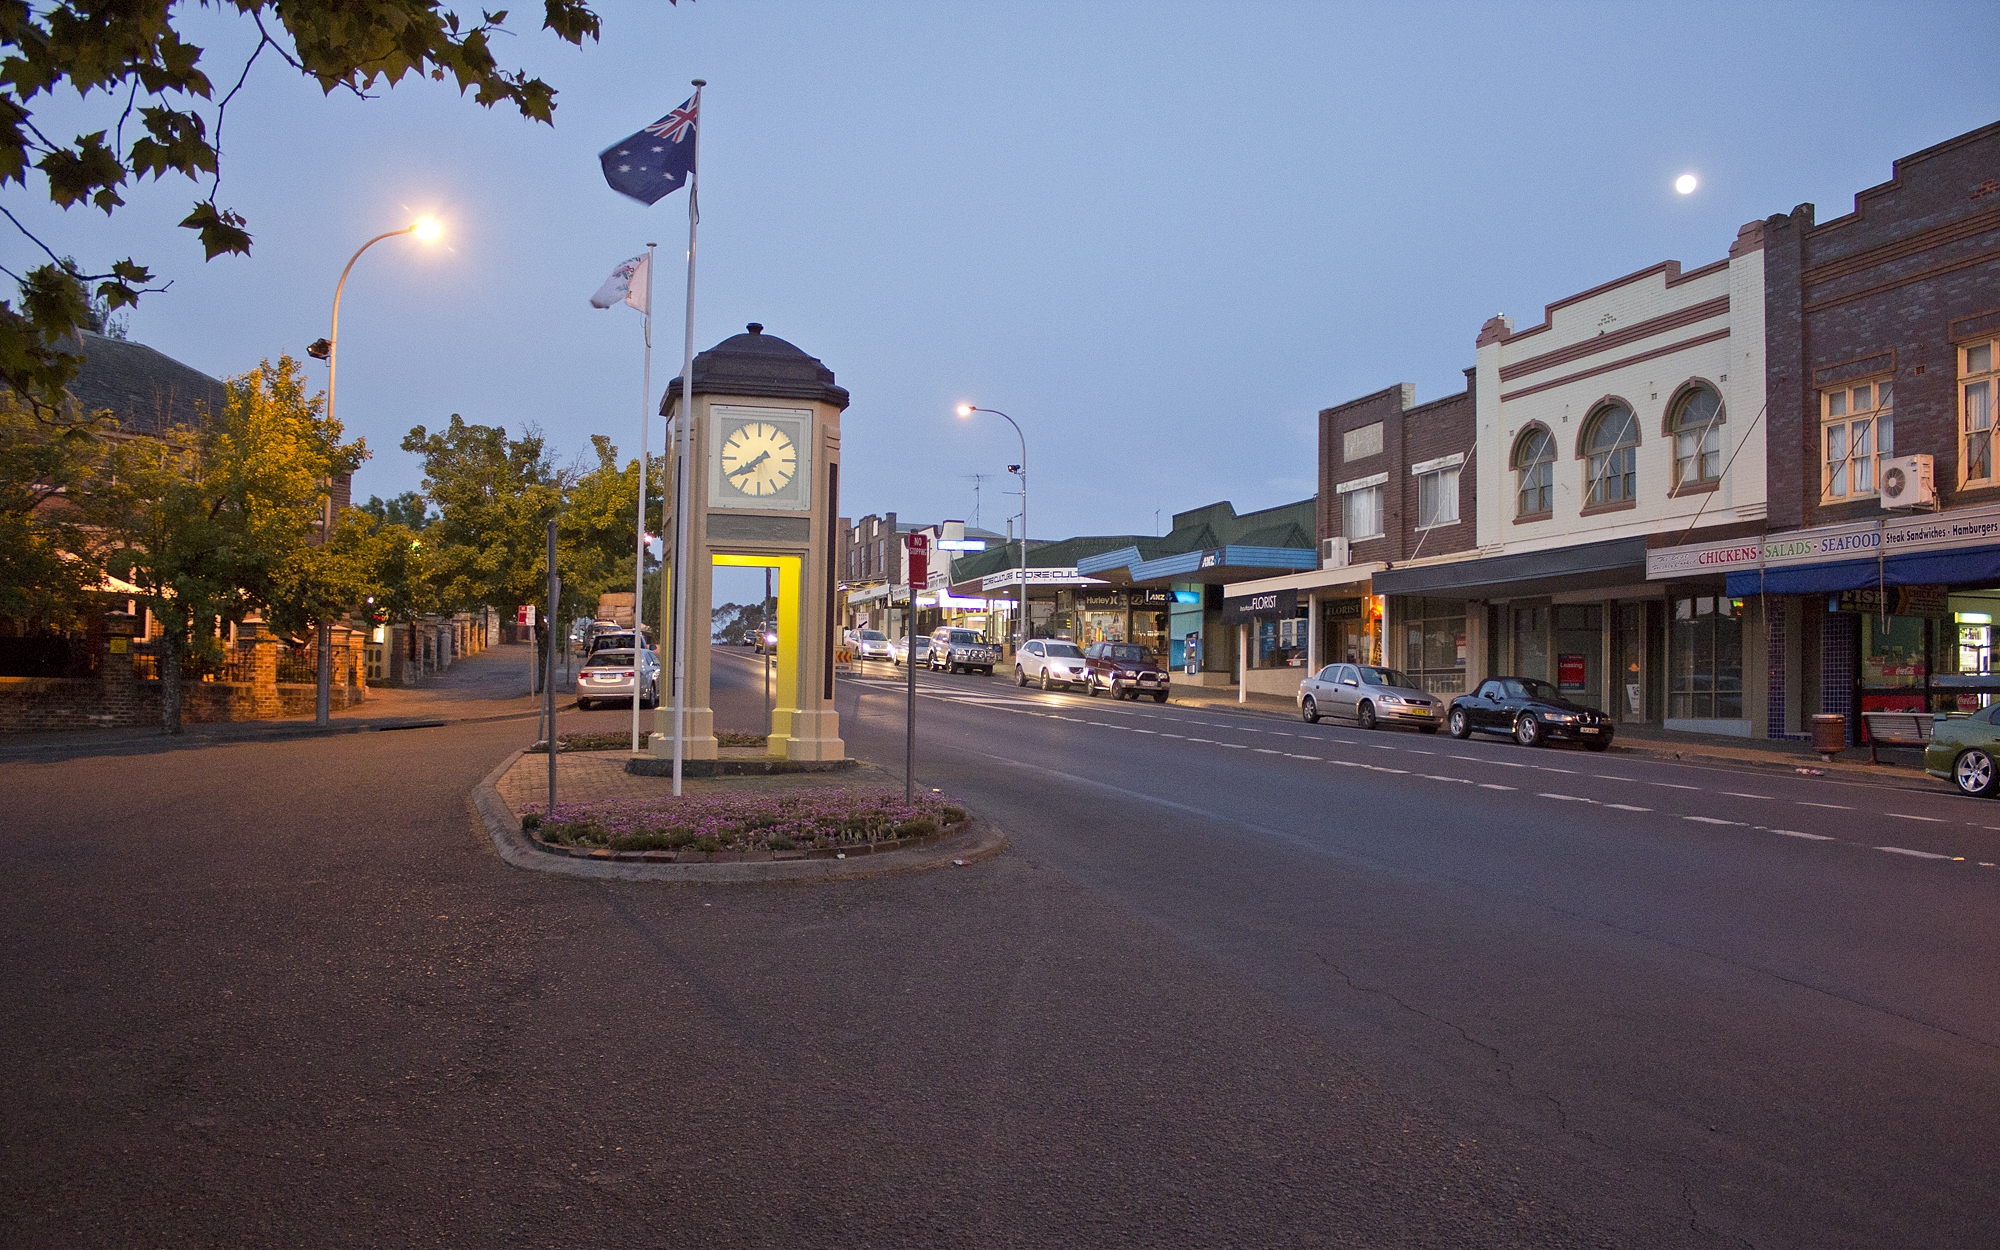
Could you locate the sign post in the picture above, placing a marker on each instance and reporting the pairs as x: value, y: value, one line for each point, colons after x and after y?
x: 549, y: 685
x: 524, y: 617
x: 919, y: 558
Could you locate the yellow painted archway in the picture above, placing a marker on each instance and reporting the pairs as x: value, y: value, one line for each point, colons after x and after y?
x: 784, y: 695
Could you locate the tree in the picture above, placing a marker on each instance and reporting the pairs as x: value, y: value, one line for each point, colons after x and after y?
x: 47, y: 554
x: 495, y: 497
x: 594, y: 543
x: 128, y: 60
x: 213, y: 521
x: 407, y: 509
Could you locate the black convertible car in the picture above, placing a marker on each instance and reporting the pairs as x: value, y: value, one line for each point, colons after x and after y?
x: 1534, y: 712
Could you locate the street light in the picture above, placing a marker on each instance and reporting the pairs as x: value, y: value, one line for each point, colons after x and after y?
x: 427, y: 229
x: 1020, y: 470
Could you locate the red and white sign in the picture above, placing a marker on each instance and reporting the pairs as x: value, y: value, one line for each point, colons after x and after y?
x: 919, y: 547
x: 525, y: 614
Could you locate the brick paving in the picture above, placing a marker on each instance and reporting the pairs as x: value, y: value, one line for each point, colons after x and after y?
x: 600, y: 776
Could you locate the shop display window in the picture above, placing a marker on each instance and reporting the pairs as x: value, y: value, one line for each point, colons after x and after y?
x: 1705, y: 659
x: 1892, y: 651
x: 1281, y: 642
x: 1531, y: 642
x: 1434, y: 643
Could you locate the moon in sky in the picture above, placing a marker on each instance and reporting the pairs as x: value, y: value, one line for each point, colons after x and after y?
x: 1685, y: 184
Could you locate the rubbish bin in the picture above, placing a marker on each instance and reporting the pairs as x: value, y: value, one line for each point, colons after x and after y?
x: 1829, y: 733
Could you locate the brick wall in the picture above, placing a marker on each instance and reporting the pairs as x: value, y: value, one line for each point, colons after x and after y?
x: 1880, y: 289
x: 1412, y: 433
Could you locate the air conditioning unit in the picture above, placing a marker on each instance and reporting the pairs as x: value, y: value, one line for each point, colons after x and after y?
x: 1906, y: 483
x: 1333, y: 553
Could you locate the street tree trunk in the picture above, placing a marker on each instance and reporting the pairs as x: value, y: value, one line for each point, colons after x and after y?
x: 323, y: 697
x: 170, y: 681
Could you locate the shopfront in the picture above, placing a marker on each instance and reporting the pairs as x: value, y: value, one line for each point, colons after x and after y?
x: 1351, y: 628
x: 1138, y: 615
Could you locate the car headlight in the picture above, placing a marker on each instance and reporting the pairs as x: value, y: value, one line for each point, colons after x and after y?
x: 1560, y: 718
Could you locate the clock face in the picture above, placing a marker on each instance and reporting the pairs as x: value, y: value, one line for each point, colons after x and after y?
x: 758, y: 458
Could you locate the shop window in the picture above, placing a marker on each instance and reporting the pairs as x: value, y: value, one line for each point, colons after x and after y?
x: 1531, y: 642
x: 1696, y: 423
x: 1434, y: 643
x: 1535, y: 471
x: 1978, y: 379
x: 1705, y: 659
x: 1361, y: 513
x: 1857, y: 429
x: 1281, y: 642
x: 1611, y: 456
x: 1437, y: 498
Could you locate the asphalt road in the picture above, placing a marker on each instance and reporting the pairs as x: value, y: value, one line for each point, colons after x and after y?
x: 1257, y: 984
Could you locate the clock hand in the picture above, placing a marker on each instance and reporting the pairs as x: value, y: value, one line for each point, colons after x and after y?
x: 758, y: 459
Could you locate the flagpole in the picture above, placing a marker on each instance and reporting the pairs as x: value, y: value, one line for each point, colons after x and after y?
x: 684, y: 493
x: 639, y: 557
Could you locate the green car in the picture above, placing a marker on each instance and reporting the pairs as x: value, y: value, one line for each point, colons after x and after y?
x: 1964, y: 749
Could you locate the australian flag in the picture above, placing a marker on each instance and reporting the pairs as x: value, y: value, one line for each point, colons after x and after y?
x: 657, y: 161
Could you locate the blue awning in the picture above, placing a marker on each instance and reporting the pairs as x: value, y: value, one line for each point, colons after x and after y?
x: 1931, y: 568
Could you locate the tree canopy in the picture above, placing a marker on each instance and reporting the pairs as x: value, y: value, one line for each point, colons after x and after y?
x: 163, y: 114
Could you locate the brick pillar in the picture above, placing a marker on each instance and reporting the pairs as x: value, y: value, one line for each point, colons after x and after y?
x: 120, y: 698
x: 342, y: 694
x: 264, y: 703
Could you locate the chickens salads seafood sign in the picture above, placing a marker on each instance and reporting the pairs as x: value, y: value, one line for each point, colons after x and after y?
x: 1891, y: 536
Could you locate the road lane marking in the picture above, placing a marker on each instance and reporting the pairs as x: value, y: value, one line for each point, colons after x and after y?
x: 1609, y: 777
x: 1164, y: 734
x: 1316, y: 759
x: 1487, y: 785
x: 1266, y: 751
x: 1435, y: 777
x: 1712, y: 820
x: 1838, y: 807
x: 1567, y: 798
x: 1232, y: 746
x: 1935, y: 820
x: 1816, y: 837
x: 1626, y: 807
x: 1672, y: 785
x: 1546, y: 769
x: 1904, y: 850
x: 1738, y: 794
x: 1146, y: 731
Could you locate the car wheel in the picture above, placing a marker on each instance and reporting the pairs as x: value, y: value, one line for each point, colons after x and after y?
x: 1364, y: 716
x: 1020, y: 676
x: 1459, y: 723
x: 1528, y: 730
x: 1047, y: 685
x: 988, y: 670
x: 1975, y: 774
x: 1309, y: 710
x: 1117, y: 688
x: 1159, y: 696
x: 1090, y: 687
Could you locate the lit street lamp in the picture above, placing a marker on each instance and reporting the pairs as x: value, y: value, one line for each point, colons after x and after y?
x: 427, y: 229
x: 1021, y: 470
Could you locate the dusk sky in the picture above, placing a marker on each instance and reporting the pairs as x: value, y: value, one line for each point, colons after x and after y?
x: 1161, y: 236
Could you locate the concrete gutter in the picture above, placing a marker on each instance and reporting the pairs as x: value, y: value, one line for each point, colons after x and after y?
x: 983, y: 841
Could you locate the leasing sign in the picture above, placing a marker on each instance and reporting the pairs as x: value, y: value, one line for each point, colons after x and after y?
x: 1892, y: 536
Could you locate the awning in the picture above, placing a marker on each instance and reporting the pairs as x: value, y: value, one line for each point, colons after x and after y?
x: 1981, y: 564
x: 1212, y: 566
x: 1529, y: 573
x: 1260, y: 606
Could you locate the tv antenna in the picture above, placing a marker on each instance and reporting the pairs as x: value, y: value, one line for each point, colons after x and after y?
x: 978, y: 479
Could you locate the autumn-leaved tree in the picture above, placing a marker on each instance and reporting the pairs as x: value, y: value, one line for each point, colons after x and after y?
x: 215, y: 520
x: 47, y: 566
x: 158, y: 112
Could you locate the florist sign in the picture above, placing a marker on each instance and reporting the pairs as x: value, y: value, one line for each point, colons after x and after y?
x: 1974, y: 527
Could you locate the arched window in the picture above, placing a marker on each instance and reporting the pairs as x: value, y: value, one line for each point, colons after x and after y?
x: 1696, y: 423
x: 1611, y: 455
x: 1535, y: 465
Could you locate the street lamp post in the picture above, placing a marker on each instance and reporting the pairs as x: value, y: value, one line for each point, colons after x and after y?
x: 328, y: 349
x: 1021, y: 469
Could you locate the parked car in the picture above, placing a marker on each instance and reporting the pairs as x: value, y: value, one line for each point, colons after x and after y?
x: 899, y: 650
x: 767, y: 640
x: 1964, y: 749
x: 871, y: 644
x: 1126, y: 669
x: 955, y: 650
x: 1051, y: 662
x: 1533, y: 712
x: 607, y: 676
x: 617, y: 638
x: 1369, y: 695
x: 752, y: 634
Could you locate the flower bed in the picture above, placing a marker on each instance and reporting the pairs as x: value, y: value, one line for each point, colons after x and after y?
x: 828, y: 820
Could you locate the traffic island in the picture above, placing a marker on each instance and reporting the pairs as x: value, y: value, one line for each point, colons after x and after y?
x: 792, y: 826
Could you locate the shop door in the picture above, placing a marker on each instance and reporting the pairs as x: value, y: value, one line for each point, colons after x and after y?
x: 1630, y: 647
x: 1531, y: 643
x: 1580, y: 653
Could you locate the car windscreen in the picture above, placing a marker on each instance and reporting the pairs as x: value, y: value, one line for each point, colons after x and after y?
x: 1127, y: 653
x: 1064, y: 650
x: 965, y: 636
x: 1541, y: 690
x: 1382, y: 676
x: 872, y: 635
x: 609, y: 659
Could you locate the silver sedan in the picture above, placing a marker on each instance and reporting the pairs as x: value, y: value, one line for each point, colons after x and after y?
x: 873, y: 644
x: 607, y: 677
x: 1369, y: 695
x: 1050, y: 662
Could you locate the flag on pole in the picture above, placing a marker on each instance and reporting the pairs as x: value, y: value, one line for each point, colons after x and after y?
x: 654, y: 163
x: 627, y: 284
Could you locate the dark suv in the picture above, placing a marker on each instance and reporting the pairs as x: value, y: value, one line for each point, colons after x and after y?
x: 962, y: 649
x: 1126, y: 669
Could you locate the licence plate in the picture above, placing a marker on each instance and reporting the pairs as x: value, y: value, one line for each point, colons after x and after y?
x: 1421, y: 711
x: 1589, y: 729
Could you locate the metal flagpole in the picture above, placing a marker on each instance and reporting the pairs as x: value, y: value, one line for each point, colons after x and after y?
x: 685, y: 493
x: 639, y: 556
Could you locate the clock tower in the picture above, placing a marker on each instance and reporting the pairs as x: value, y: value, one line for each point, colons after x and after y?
x: 764, y: 487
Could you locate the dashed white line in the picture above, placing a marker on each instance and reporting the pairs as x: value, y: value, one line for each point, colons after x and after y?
x: 1567, y: 798
x: 1314, y: 758
x: 1487, y: 785
x: 1738, y: 794
x: 1712, y: 820
x: 1904, y: 850
x: 1935, y: 820
x: 1626, y: 807
x: 1232, y: 746
x: 1266, y: 751
x: 1609, y: 777
x: 1672, y: 785
x: 1838, y: 807
x: 1815, y: 837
